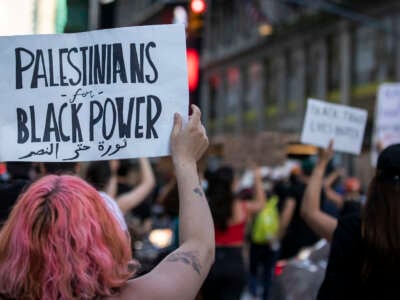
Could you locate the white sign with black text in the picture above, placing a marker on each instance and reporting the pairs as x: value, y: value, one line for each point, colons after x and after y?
x: 98, y: 95
x: 387, y: 118
x: 325, y: 121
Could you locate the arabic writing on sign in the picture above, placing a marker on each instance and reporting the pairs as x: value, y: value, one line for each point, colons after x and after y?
x: 44, y: 151
x: 80, y: 148
x: 117, y: 147
x: 53, y: 148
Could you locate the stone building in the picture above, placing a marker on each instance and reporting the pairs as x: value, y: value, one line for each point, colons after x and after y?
x: 255, y: 82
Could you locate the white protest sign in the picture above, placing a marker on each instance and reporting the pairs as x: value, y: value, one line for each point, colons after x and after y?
x: 97, y: 95
x: 387, y: 118
x: 325, y: 121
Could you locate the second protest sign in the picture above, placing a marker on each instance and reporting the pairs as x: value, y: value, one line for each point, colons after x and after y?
x: 325, y: 121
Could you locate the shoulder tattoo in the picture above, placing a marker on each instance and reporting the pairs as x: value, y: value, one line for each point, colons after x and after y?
x: 187, y: 257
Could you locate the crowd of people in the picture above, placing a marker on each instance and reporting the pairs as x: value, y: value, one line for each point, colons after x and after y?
x: 69, y: 230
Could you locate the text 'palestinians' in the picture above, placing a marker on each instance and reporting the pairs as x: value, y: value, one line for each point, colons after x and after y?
x: 91, y: 65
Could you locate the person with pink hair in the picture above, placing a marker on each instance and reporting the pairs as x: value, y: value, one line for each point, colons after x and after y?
x: 61, y: 241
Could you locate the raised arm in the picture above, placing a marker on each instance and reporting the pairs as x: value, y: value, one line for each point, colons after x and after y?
x: 330, y: 193
x: 320, y: 222
x: 112, y: 186
x: 259, y: 202
x: 133, y: 198
x: 165, y: 190
x: 181, y: 274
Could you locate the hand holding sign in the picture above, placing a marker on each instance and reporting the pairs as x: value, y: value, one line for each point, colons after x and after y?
x: 325, y: 155
x: 188, y: 143
x: 342, y: 124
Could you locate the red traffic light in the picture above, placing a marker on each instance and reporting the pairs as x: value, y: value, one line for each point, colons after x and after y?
x: 193, y: 61
x: 198, y: 6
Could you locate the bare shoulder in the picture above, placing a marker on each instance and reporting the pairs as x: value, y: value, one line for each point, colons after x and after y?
x: 178, y: 276
x: 239, y: 210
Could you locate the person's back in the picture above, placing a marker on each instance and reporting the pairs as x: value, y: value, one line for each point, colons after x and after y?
x: 126, y: 181
x: 233, y: 234
x: 346, y: 244
x: 298, y: 234
x: 364, y: 259
x: 227, y: 276
x: 344, y: 278
x: 226, y: 279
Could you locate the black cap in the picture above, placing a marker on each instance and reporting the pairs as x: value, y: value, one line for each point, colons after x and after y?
x: 389, y: 163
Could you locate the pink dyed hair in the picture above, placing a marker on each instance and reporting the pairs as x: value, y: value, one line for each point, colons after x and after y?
x: 61, y: 242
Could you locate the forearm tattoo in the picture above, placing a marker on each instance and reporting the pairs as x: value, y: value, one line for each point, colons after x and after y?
x: 189, y: 257
x: 198, y: 191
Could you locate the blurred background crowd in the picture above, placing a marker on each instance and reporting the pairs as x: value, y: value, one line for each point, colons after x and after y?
x: 263, y: 244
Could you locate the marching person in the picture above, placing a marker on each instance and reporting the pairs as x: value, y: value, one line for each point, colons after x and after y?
x: 364, y: 258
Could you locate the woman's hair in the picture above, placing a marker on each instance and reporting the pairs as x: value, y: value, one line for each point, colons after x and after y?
x: 220, y: 195
x: 381, y: 215
x: 98, y: 174
x: 61, y: 242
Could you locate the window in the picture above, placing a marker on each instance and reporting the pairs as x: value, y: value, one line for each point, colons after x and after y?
x: 364, y: 55
x: 333, y: 63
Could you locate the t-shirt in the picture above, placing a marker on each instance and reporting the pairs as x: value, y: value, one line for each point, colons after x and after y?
x: 114, y: 209
x: 343, y: 274
x: 298, y: 234
x: 350, y: 207
x: 282, y: 190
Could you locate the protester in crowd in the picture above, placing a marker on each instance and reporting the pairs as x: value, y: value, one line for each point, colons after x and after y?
x: 138, y: 218
x: 58, y: 168
x: 264, y: 240
x: 18, y: 180
x: 102, y: 175
x: 167, y: 197
x: 364, y: 259
x: 227, y: 277
x: 319, y: 221
x: 61, y: 242
x: 294, y: 231
x: 129, y: 177
x: 348, y: 201
x: 286, y: 208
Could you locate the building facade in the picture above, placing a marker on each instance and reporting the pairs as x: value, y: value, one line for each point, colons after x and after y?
x: 32, y: 17
x: 255, y: 82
